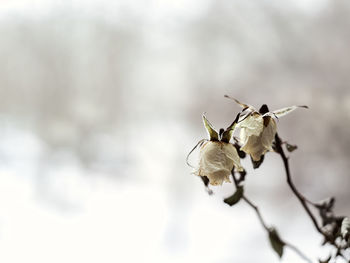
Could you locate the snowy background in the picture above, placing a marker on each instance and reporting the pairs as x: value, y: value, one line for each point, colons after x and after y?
x: 100, y: 102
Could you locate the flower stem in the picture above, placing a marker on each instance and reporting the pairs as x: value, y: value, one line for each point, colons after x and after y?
x: 296, y: 250
x: 301, y: 198
x: 251, y: 204
x: 264, y: 225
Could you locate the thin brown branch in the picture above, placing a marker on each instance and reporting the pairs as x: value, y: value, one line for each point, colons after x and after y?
x: 301, y: 198
x: 264, y: 225
x: 257, y: 211
x: 297, y: 251
x: 251, y: 204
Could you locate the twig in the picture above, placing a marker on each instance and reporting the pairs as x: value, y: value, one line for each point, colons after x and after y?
x: 292, y: 247
x: 257, y: 212
x: 296, y: 250
x: 264, y: 225
x: 251, y: 204
x: 301, y: 198
x: 304, y: 201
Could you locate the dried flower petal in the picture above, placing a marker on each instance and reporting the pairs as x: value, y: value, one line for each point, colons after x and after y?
x: 257, y: 135
x: 217, y: 159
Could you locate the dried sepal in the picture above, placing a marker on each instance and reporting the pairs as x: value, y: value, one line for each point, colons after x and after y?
x: 256, y: 164
x: 284, y: 111
x: 213, y: 135
x: 243, y: 105
x: 227, y: 134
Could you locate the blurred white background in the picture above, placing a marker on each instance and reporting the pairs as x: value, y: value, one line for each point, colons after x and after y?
x: 100, y: 102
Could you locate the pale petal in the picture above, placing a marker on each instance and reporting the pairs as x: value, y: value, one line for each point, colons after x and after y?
x: 218, y: 177
x: 232, y: 154
x: 268, y: 134
x: 258, y: 145
x: 217, y: 160
x: 254, y: 147
x: 252, y: 125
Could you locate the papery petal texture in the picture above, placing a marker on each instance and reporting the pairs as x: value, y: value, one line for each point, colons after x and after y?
x: 217, y: 159
x: 257, y: 135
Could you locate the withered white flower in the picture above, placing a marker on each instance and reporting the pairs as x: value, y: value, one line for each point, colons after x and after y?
x: 218, y: 156
x: 258, y: 128
x: 257, y: 134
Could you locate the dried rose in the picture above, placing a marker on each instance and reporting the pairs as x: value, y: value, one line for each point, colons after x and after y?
x: 257, y: 134
x: 258, y: 128
x: 218, y: 157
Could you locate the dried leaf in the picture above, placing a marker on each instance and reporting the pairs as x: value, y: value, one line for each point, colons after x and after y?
x: 291, y: 148
x: 234, y: 199
x: 276, y: 242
